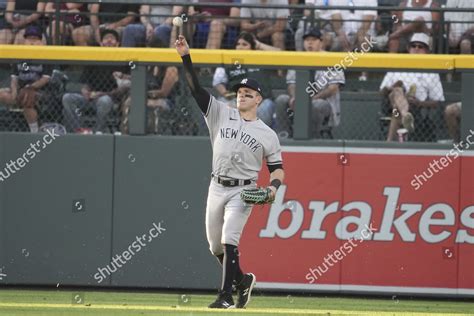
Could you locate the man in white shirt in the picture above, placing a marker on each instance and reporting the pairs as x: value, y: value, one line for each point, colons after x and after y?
x: 410, y: 92
x: 351, y: 27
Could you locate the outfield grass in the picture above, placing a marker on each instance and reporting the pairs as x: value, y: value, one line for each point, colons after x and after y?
x: 26, y: 302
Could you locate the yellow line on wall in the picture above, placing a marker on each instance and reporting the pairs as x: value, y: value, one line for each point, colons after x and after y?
x: 219, y: 57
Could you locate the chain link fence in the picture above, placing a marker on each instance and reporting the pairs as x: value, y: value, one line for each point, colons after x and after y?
x: 96, y: 99
x: 366, y: 110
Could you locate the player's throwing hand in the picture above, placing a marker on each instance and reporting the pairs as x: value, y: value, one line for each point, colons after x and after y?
x: 182, y: 46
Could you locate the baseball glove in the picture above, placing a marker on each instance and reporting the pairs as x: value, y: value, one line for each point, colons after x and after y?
x: 27, y: 97
x: 257, y: 196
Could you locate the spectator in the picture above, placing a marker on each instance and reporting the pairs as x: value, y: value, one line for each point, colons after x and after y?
x: 20, y: 14
x: 413, y: 22
x: 351, y: 28
x: 72, y: 16
x: 326, y: 107
x: 410, y: 93
x: 156, y: 22
x: 6, y: 34
x: 100, y: 91
x: 113, y: 16
x: 384, y: 23
x: 452, y: 115
x: 267, y: 24
x: 348, y: 29
x: 226, y: 78
x: 461, y: 34
x: 28, y: 82
x: 210, y: 32
x: 161, y: 93
x: 321, y: 17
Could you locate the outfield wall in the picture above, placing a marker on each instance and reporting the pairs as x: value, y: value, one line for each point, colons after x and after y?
x: 67, y: 213
x: 82, y: 200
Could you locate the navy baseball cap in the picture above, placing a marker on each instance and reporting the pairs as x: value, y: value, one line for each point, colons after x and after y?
x: 249, y: 83
x: 315, y: 32
x: 104, y: 32
x: 33, y: 30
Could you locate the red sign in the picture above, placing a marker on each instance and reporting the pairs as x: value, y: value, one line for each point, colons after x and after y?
x: 366, y: 220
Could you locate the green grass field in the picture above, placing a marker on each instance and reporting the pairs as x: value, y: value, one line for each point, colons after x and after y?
x: 49, y: 302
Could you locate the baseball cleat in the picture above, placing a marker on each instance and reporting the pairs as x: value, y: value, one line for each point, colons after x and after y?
x: 223, y: 300
x: 408, y: 122
x: 244, y: 290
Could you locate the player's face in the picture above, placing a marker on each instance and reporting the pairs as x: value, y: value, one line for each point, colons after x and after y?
x: 418, y: 48
x: 243, y: 45
x: 247, y: 99
x: 312, y: 44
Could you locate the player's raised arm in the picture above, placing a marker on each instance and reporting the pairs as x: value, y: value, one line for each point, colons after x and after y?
x: 201, y: 96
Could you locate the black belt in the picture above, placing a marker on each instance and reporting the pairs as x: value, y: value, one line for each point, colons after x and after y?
x: 230, y: 182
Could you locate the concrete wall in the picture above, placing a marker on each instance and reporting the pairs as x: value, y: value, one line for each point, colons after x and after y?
x: 84, y: 199
x: 45, y: 240
x: 163, y: 180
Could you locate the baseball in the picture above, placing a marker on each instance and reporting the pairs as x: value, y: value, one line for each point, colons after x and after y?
x: 177, y: 21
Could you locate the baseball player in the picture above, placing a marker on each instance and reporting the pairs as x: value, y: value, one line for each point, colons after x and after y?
x: 240, y: 142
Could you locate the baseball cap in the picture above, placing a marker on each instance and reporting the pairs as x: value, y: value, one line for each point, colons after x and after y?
x: 249, y: 83
x: 33, y: 30
x: 421, y: 38
x: 315, y: 32
x: 104, y: 32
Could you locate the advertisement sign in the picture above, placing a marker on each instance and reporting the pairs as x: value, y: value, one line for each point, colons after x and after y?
x: 366, y: 220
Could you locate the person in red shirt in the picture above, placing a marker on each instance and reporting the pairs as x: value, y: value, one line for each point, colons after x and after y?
x: 72, y: 16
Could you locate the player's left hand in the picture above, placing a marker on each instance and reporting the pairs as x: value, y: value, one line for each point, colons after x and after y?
x: 273, y: 192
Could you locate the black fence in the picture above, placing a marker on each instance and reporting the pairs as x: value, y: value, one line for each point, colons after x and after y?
x: 365, y: 112
x: 361, y: 109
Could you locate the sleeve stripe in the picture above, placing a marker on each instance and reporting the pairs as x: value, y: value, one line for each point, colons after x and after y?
x: 272, y: 168
x: 274, y: 163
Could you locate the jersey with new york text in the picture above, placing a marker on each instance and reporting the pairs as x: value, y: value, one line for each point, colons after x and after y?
x: 239, y: 146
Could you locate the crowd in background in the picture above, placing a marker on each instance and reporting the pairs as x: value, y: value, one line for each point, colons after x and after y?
x: 105, y: 90
x: 215, y: 27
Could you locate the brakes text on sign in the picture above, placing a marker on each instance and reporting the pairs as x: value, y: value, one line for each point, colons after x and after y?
x: 439, y: 215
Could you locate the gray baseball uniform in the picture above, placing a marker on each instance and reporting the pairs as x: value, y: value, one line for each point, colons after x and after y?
x: 239, y: 147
